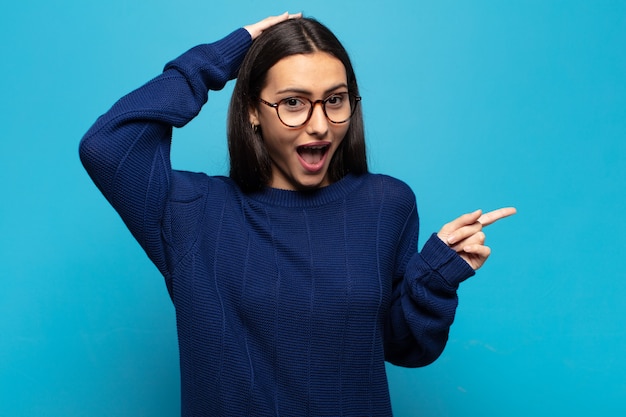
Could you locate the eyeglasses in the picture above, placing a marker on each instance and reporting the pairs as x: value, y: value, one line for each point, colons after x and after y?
x: 297, y: 111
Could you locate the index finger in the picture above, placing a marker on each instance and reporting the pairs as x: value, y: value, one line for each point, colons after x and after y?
x: 495, y: 215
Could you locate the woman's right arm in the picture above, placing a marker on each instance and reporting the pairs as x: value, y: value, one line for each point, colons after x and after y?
x: 127, y: 151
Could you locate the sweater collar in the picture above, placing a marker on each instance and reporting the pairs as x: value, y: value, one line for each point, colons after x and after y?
x: 320, y: 196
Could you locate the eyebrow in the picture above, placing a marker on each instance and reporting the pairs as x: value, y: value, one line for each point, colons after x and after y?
x: 309, y: 93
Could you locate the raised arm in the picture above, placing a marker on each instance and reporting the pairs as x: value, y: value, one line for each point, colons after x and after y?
x: 127, y: 151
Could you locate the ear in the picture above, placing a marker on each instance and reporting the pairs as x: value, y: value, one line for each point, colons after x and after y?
x: 254, y: 116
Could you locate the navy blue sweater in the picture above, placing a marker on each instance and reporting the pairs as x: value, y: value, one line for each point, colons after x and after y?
x: 287, y: 303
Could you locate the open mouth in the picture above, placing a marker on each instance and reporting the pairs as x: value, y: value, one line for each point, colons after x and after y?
x: 313, y: 155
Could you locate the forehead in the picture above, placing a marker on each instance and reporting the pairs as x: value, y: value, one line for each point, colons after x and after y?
x: 314, y: 73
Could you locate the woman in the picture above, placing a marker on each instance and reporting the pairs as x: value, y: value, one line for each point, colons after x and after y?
x: 295, y: 278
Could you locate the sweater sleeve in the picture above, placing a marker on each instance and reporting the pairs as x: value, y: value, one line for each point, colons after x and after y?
x: 127, y: 151
x: 424, y: 300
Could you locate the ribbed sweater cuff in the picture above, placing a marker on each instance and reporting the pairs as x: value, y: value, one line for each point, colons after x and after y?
x: 233, y: 48
x: 216, y: 63
x: 446, y: 262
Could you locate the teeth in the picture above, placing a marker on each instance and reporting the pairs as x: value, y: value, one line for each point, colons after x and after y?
x: 315, y: 147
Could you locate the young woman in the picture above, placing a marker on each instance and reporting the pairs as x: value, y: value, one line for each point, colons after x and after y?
x: 295, y: 278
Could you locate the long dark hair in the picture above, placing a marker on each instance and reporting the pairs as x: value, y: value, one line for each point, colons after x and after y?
x: 250, y: 164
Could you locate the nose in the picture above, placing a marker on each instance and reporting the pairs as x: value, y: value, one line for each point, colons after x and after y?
x: 318, y: 123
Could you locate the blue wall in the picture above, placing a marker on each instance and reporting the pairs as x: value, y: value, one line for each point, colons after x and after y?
x: 473, y: 103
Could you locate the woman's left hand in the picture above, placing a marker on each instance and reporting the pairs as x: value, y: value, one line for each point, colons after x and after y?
x: 257, y: 28
x: 465, y: 234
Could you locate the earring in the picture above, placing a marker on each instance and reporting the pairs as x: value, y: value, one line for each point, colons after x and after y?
x: 255, y: 128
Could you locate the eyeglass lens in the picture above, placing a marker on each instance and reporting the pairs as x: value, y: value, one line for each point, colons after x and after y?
x: 296, y: 111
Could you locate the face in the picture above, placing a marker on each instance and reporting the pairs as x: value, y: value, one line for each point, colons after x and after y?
x: 301, y: 156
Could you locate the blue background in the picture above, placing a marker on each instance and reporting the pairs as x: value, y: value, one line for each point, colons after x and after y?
x: 475, y: 104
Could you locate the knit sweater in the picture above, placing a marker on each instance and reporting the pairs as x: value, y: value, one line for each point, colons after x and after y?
x: 287, y: 303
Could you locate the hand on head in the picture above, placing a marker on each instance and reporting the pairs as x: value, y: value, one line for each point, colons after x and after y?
x: 465, y: 234
x: 257, y: 28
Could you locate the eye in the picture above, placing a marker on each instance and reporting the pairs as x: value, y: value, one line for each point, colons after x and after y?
x: 293, y: 104
x: 336, y: 100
